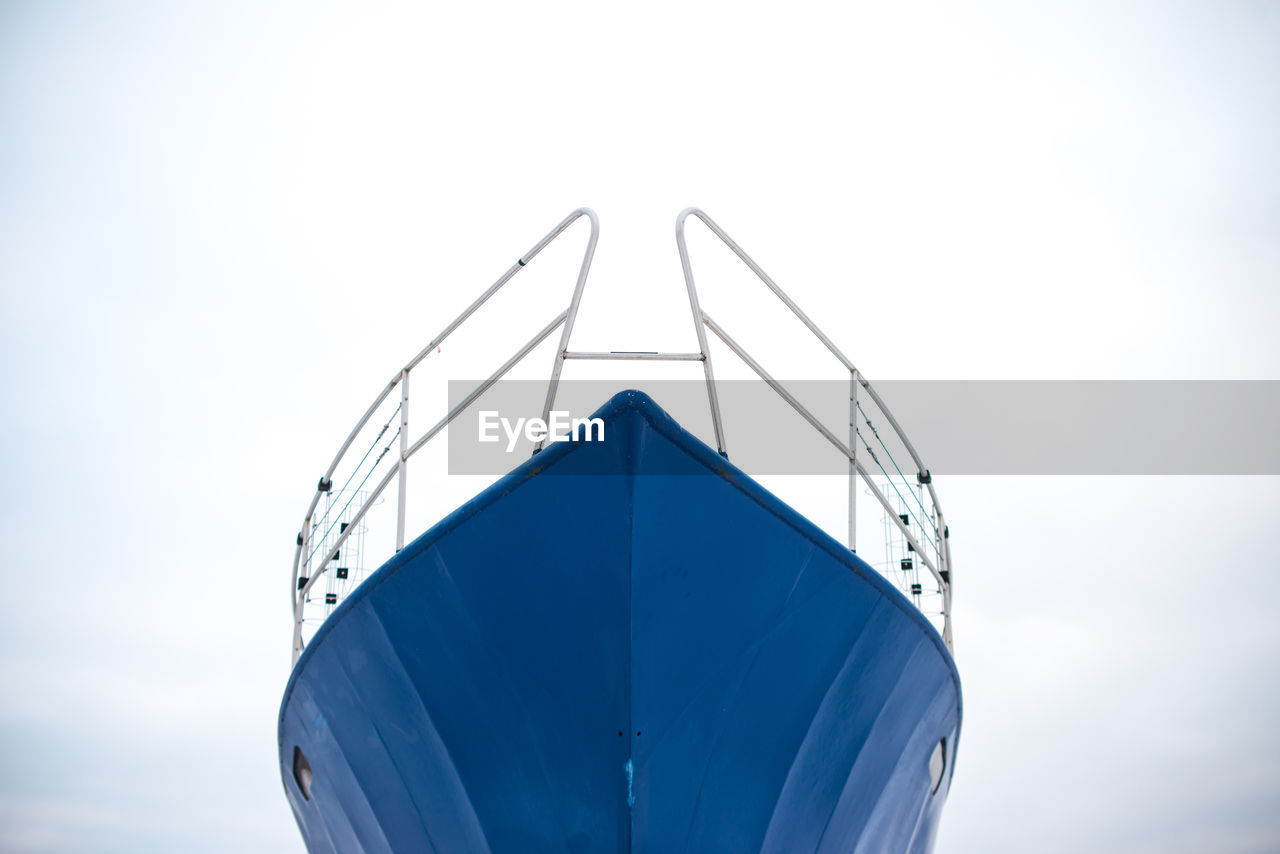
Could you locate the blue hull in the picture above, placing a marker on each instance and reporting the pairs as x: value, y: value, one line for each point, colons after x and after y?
x: 622, y: 646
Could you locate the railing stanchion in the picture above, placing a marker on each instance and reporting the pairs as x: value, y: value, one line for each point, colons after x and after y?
x: 713, y: 398
x: 571, y: 314
x: 853, y: 461
x: 404, y: 457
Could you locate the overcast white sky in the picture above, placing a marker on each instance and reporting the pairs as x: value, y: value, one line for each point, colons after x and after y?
x: 222, y: 227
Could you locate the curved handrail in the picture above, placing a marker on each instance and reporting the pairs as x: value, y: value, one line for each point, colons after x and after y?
x: 458, y: 321
x: 303, y: 553
x: 941, y: 574
x: 798, y: 312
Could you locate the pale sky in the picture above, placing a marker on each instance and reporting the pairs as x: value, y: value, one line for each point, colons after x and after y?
x: 224, y: 227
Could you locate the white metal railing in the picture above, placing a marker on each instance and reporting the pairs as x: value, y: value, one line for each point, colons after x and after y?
x: 318, y: 545
x: 307, y: 570
x: 940, y: 564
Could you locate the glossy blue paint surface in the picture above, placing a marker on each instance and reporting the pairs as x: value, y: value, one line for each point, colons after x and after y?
x: 621, y: 646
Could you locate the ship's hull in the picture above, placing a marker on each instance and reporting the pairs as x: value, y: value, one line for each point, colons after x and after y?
x: 622, y: 646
